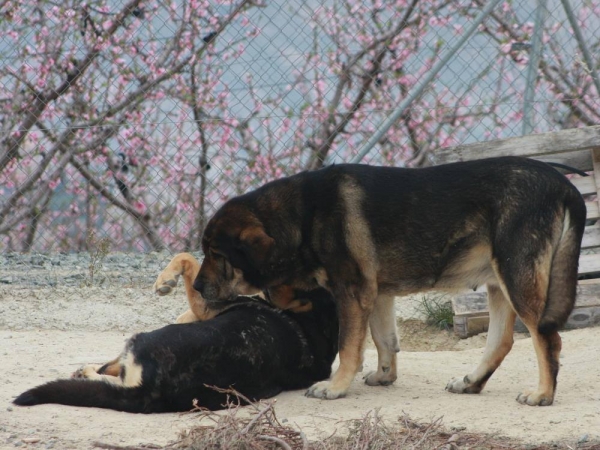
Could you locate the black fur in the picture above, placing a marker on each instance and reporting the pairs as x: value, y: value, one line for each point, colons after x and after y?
x: 252, y: 347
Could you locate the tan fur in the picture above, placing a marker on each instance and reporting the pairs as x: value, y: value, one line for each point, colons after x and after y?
x: 499, y: 343
x: 360, y: 243
x: 383, y: 330
x: 283, y: 297
x: 90, y: 372
x: 351, y: 355
x: 127, y: 366
x: 186, y: 266
x: 112, y: 368
x: 474, y: 269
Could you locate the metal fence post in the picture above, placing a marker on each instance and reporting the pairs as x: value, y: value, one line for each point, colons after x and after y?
x: 532, y: 71
x: 581, y: 42
x: 418, y: 89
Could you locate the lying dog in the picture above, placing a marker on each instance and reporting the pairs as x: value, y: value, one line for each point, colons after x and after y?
x: 369, y: 233
x: 249, y: 345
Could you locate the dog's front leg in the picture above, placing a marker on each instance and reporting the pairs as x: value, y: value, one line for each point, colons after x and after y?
x: 186, y: 266
x: 385, y: 336
x: 354, y: 318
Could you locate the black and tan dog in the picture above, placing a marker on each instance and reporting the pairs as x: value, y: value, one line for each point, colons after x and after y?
x: 251, y: 346
x: 369, y: 233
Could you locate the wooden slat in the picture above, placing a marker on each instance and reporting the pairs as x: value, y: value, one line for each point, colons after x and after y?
x: 585, y: 185
x: 475, y: 303
x: 534, y: 145
x: 465, y: 326
x: 591, y: 237
x: 588, y: 293
x: 592, y: 210
x: 589, y: 264
x: 470, y: 303
x: 580, y: 159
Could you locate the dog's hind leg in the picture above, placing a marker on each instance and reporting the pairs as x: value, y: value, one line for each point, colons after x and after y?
x: 547, y: 348
x: 112, y: 368
x: 549, y: 317
x: 383, y: 330
x: 92, y: 372
x: 499, y: 343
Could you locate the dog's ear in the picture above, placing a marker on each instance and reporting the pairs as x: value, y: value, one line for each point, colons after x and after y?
x: 257, y: 245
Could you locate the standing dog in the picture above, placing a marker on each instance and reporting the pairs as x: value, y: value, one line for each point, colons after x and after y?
x: 369, y: 233
x: 248, y: 345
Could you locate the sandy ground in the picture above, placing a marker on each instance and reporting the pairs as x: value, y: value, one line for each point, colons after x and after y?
x: 46, y: 333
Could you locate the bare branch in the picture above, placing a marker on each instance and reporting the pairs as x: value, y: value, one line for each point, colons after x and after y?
x: 11, y: 144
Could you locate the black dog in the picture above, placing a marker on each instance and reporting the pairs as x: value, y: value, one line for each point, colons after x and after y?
x: 257, y: 349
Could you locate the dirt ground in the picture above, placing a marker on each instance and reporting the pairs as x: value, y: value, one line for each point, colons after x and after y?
x: 47, y: 333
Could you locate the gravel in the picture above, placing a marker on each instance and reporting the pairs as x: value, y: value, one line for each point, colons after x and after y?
x: 112, y: 293
x: 81, y: 269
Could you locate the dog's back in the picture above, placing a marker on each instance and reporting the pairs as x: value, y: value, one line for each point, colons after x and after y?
x: 252, y: 347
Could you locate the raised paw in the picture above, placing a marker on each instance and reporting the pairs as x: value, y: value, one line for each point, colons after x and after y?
x: 380, y: 377
x: 165, y: 283
x: 324, y: 390
x: 535, y: 399
x: 463, y: 386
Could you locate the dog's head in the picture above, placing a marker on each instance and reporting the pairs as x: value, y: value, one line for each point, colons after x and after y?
x: 237, y: 251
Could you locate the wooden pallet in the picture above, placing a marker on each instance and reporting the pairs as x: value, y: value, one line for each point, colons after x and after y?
x: 578, y: 148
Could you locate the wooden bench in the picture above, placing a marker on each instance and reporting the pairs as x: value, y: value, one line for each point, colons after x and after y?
x: 578, y: 148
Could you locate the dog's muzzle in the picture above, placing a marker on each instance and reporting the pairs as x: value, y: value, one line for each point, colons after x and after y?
x: 209, y: 293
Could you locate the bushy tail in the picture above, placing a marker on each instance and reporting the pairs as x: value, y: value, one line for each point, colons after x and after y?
x: 89, y: 393
x: 562, y: 289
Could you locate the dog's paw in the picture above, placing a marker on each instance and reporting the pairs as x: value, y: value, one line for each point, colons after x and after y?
x: 165, y: 283
x: 324, y: 390
x: 380, y: 378
x: 535, y: 399
x: 78, y: 373
x: 87, y: 371
x: 463, y: 386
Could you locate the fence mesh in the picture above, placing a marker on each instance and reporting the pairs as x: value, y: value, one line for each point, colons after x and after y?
x: 131, y: 123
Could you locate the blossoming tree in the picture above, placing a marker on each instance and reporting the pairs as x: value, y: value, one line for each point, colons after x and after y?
x: 136, y: 121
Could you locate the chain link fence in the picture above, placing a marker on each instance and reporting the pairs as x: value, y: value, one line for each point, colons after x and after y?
x: 130, y: 123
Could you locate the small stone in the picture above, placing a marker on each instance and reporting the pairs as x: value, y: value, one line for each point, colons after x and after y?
x: 31, y: 440
x: 454, y: 438
x: 9, y: 409
x: 583, y: 438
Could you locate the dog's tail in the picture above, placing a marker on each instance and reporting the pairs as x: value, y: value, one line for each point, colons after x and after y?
x: 562, y: 288
x: 89, y: 393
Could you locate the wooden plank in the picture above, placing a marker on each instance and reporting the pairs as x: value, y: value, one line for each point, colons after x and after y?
x: 589, y: 264
x: 465, y: 326
x: 540, y: 144
x: 475, y: 303
x: 470, y: 326
x: 591, y: 237
x: 581, y: 159
x: 592, y: 210
x: 470, y: 303
x: 588, y: 293
x: 585, y: 185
